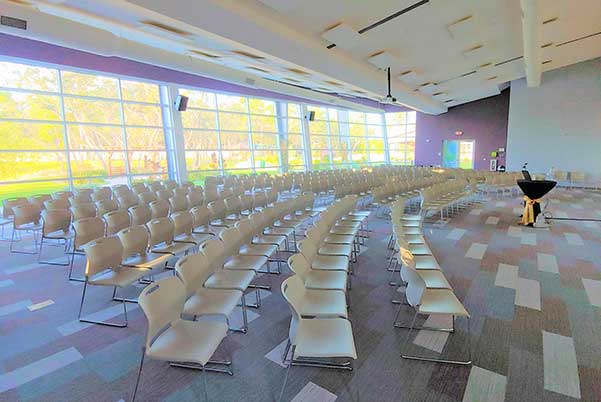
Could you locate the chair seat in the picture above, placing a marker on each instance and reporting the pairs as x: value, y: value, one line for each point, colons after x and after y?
x: 60, y: 235
x: 188, y: 341
x: 336, y: 249
x: 148, y: 260
x: 420, y: 249
x: 120, y: 277
x: 29, y: 226
x: 230, y: 279
x: 363, y: 214
x: 326, y: 280
x: 411, y: 224
x: 425, y: 262
x: 339, y: 239
x: 212, y: 302
x: 203, y: 229
x: 246, y: 262
x: 347, y: 223
x: 414, y: 238
x: 289, y: 223
x: 278, y: 240
x: 412, y: 230
x: 173, y: 248
x: 330, y: 263
x: 323, y: 304
x: 434, y: 279
x: 265, y: 249
x: 441, y: 301
x: 196, y: 238
x: 343, y: 230
x: 279, y: 231
x: 408, y: 217
x: 325, y: 338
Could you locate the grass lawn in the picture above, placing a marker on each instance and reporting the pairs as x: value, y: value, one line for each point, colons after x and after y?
x: 29, y: 189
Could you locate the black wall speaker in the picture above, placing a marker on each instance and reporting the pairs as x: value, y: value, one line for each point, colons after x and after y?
x: 311, y: 115
x: 181, y: 103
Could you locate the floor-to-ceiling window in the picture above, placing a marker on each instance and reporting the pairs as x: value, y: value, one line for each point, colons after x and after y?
x: 61, y: 128
x: 400, y: 130
x: 292, y: 131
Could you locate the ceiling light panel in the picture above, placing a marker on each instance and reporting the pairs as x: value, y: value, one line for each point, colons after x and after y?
x: 475, y: 52
x: 165, y: 30
x: 409, y: 77
x: 384, y: 60
x: 463, y: 28
x: 343, y: 36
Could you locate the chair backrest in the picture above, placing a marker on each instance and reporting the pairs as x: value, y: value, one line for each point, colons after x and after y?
x: 159, y: 209
x: 134, y: 240
x: 202, y: 216
x: 299, y: 265
x: 156, y: 186
x: 307, y: 249
x: 103, y: 253
x: 161, y: 231
x: 86, y: 230
x: 147, y: 197
x: 57, y: 203
x: 233, y: 205
x: 194, y: 198
x: 107, y: 205
x: 8, y: 204
x: 178, y: 203
x: 293, y: 291
x: 139, y: 188
x: 140, y: 214
x: 217, y: 209
x: 62, y: 194
x: 40, y: 199
x: 83, y: 211
x: 180, y: 191
x: 232, y: 240
x: 26, y: 213
x: 415, y: 286
x: 101, y: 193
x: 170, y: 184
x: 128, y: 200
x: 84, y: 191
x: 164, y: 194
x: 214, y: 251
x: 56, y: 219
x: 121, y: 190
x: 183, y: 223
x: 194, y: 270
x: 162, y: 303
x: 80, y: 199
x: 116, y: 220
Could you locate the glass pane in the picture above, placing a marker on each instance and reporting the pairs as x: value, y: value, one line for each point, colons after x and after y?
x: 321, y: 113
x: 333, y: 114
x: 140, y: 91
x: 199, y: 99
x: 320, y: 156
x: 318, y: 127
x: 199, y: 119
x: 334, y: 128
x: 296, y: 157
x: 411, y: 117
x: 266, y: 159
x: 376, y: 144
x: 31, y: 136
x: 92, y: 111
x: 395, y: 118
x: 145, y: 138
x: 294, y: 110
x: 320, y: 142
x: 14, y: 75
x: 236, y: 160
x: 202, y: 160
x: 232, y: 103
x: 374, y: 118
x: 294, y: 125
x: 147, y: 162
x: 95, y: 137
x: 198, y: 178
x: 395, y: 132
x: 99, y: 181
x: 142, y: 115
x: 261, y: 106
x: 376, y: 156
x: 295, y: 142
x: 31, y: 188
x: 18, y: 105
x: 356, y: 117
x: 340, y: 156
x: 32, y: 166
x: 89, y: 85
x: 201, y: 140
x: 357, y: 130
x: 375, y: 131
x: 234, y: 140
x: 263, y: 123
x: 233, y: 121
x: 265, y: 141
x: 98, y: 163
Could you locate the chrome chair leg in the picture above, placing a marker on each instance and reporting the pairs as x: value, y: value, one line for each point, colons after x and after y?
x: 133, y: 399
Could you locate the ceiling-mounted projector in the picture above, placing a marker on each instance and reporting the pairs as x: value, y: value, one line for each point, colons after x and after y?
x: 389, y: 99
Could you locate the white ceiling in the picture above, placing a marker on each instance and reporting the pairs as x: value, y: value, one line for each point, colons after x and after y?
x: 458, y: 50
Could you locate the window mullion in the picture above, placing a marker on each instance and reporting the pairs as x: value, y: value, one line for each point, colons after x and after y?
x: 127, y: 167
x: 65, y: 134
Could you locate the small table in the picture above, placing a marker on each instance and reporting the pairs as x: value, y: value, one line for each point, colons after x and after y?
x: 535, y: 189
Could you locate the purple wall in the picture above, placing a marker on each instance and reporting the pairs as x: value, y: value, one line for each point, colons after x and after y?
x: 15, y: 46
x: 484, y: 121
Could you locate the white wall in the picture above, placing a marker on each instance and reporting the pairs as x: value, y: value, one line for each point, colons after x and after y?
x: 559, y: 123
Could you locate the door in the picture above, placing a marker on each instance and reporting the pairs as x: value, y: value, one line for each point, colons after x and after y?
x: 458, y: 154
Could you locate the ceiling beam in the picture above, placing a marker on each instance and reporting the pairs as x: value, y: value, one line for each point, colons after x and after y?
x: 531, y: 32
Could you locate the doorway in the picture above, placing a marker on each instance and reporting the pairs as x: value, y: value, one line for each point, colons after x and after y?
x: 458, y: 154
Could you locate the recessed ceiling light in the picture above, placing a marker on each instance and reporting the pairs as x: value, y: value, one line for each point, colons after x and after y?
x: 337, y: 84
x: 494, y: 77
x: 547, y: 61
x: 20, y: 2
x: 550, y: 20
x: 546, y: 45
x: 257, y: 69
x: 291, y: 79
x: 248, y: 54
x: 438, y: 94
x: 297, y: 71
x: 165, y: 27
x: 204, y: 54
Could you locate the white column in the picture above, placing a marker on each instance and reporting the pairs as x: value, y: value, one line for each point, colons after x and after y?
x: 175, y: 136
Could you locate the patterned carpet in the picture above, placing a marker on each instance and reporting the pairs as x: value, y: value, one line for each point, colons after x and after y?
x: 534, y: 296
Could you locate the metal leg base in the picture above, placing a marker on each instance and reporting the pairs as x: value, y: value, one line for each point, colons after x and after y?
x: 399, y: 325
x: 427, y: 359
x: 107, y: 324
x: 194, y: 366
x: 348, y: 366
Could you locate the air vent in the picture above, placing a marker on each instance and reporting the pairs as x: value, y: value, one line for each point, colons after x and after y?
x: 409, y: 76
x: 337, y: 84
x: 20, y: 2
x: 166, y: 28
x: 13, y: 22
x: 547, y: 61
x: 508, y: 61
x: 204, y: 54
x: 297, y: 71
x: 291, y: 79
x: 257, y: 69
x: 462, y: 28
x: 550, y: 20
x: 359, y: 92
x: 248, y: 54
x: 546, y: 45
x: 494, y: 77
x: 449, y: 101
x: 474, y: 51
x: 485, y: 65
x: 393, y: 16
x: 342, y: 35
x: 578, y: 39
x: 438, y: 93
x: 249, y: 81
x: 428, y: 88
x: 383, y: 60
